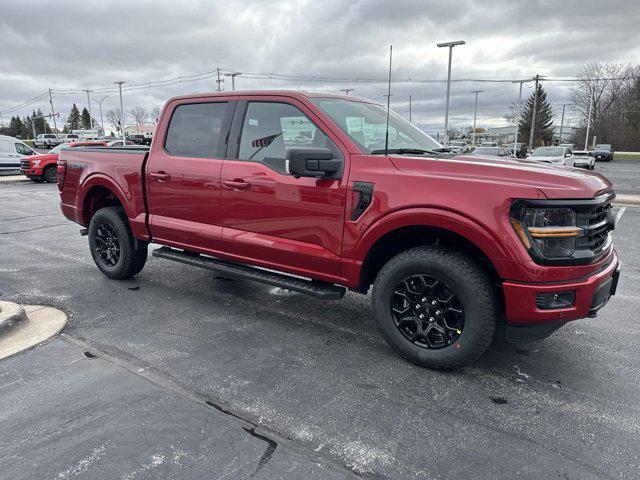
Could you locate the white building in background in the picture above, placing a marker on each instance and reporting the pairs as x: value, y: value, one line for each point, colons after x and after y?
x: 146, y: 130
x: 507, y: 134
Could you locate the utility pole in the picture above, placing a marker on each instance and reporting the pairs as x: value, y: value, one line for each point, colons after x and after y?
x: 446, y: 108
x: 233, y: 78
x: 519, y: 112
x: 219, y: 81
x: 561, y: 124
x: 100, y: 106
x: 53, y: 112
x: 534, y: 114
x: 347, y: 90
x: 586, y: 138
x: 124, y: 140
x: 475, y: 112
x: 409, y: 107
x: 89, y: 102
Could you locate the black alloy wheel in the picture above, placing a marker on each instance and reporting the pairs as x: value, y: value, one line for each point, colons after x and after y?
x: 426, y: 312
x: 51, y: 175
x: 107, y: 246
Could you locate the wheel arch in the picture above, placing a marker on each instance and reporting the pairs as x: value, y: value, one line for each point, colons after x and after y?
x: 99, y: 192
x: 403, y: 230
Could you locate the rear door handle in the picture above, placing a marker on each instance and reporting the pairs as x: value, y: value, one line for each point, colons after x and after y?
x: 238, y: 184
x: 160, y: 176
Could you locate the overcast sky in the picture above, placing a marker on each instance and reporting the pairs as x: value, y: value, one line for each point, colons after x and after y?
x: 66, y: 45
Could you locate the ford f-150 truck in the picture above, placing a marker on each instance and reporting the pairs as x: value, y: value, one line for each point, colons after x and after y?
x: 457, y: 249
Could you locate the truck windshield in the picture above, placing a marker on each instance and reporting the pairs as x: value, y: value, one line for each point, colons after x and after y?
x: 365, y: 123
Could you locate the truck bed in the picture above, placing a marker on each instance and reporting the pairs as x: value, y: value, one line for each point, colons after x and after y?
x: 88, y: 168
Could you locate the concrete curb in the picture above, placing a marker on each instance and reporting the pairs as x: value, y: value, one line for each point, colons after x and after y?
x: 22, y: 328
x: 11, y: 316
x: 626, y: 200
x: 13, y: 178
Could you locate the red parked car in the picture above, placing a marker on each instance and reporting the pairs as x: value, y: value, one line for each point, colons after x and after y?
x: 43, y: 167
x: 456, y: 249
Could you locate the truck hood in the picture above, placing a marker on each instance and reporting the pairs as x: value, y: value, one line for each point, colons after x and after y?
x: 44, y: 156
x: 554, y: 182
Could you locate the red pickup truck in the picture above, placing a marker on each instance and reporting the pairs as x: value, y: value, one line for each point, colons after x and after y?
x: 299, y: 190
x: 42, y: 167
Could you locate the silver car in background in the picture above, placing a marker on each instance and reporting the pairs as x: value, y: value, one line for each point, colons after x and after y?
x: 584, y: 158
x: 559, y: 156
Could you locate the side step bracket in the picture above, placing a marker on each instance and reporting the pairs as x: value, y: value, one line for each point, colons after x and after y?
x: 322, y: 290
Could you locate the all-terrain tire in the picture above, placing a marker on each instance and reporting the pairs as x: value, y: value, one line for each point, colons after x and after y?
x: 465, y: 279
x: 130, y: 259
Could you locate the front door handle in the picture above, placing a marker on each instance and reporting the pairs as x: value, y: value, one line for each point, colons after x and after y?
x: 160, y: 176
x: 238, y: 184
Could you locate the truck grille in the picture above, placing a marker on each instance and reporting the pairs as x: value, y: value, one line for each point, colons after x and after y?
x: 26, y: 164
x: 599, y: 226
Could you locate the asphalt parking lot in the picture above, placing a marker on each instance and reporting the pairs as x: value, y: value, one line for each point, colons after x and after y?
x: 181, y: 373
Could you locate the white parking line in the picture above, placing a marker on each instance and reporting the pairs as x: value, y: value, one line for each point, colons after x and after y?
x: 619, y: 214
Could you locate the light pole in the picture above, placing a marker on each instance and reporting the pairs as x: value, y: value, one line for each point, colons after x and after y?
x: 446, y: 108
x: 561, y: 124
x: 53, y: 112
x: 475, y: 112
x: 535, y: 112
x: 586, y: 138
x: 119, y: 83
x: 100, y: 106
x: 410, y: 107
x: 347, y: 90
x: 518, y: 112
x: 233, y: 78
x: 89, y: 102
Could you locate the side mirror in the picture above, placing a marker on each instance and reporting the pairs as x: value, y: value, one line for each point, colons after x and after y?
x: 311, y: 162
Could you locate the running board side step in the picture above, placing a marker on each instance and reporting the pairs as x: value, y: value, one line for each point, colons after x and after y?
x: 322, y: 290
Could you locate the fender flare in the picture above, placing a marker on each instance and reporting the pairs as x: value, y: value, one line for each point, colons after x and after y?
x: 101, y: 180
x: 450, y: 220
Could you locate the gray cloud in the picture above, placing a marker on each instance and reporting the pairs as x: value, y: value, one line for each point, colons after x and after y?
x: 73, y: 45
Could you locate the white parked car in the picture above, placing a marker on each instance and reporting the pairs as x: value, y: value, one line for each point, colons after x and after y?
x: 559, y: 156
x: 458, y: 146
x: 70, y: 137
x: 12, y: 151
x: 47, y: 140
x: 489, y: 144
x: 584, y: 158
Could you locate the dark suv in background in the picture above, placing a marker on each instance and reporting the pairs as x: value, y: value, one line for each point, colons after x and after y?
x: 603, y: 151
x: 521, y: 149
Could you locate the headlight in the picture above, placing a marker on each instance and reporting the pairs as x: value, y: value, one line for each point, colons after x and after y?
x: 550, y: 232
x: 35, y: 163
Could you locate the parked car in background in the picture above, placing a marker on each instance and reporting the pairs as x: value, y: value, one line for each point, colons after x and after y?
x: 70, y: 137
x: 520, y: 149
x: 12, y: 151
x: 492, y: 152
x: 119, y: 143
x: 584, y: 158
x: 561, y: 156
x: 572, y: 146
x: 43, y: 167
x: 489, y: 144
x: 47, y: 140
x: 458, y: 146
x: 138, y: 139
x: 603, y: 152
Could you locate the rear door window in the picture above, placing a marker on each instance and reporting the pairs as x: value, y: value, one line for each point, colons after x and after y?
x: 195, y: 130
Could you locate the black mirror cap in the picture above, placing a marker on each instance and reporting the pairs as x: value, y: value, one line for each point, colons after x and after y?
x: 312, y: 162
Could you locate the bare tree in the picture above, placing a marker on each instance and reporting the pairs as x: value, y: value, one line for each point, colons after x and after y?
x: 114, y: 117
x: 602, y: 85
x: 155, y: 114
x: 139, y: 114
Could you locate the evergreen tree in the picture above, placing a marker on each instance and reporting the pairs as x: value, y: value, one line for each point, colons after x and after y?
x: 73, y: 120
x: 27, y: 129
x: 42, y: 126
x: 544, y: 120
x: 15, y: 127
x: 85, y: 119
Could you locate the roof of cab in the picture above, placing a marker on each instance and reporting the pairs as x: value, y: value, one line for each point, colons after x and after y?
x: 299, y: 94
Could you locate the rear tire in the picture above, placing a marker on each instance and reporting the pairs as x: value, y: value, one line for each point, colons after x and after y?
x: 113, y: 246
x: 439, y: 341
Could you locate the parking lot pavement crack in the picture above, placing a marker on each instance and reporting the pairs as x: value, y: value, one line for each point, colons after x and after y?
x: 271, y: 447
x: 34, y: 228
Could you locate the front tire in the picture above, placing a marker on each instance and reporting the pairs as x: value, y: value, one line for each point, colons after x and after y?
x: 113, y: 246
x: 50, y: 175
x: 435, y: 307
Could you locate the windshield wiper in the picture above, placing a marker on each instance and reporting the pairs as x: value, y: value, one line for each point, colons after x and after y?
x: 409, y: 151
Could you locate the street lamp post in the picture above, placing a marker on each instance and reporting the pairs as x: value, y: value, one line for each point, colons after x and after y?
x: 119, y: 83
x: 100, y: 106
x: 446, y: 110
x: 233, y: 78
x: 519, y: 111
x: 475, y: 112
x: 89, y: 102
